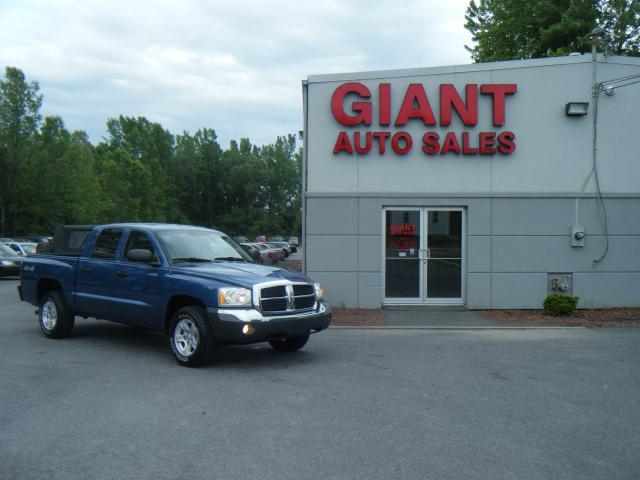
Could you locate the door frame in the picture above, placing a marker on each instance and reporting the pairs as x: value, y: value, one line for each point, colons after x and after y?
x: 423, y: 299
x: 400, y: 300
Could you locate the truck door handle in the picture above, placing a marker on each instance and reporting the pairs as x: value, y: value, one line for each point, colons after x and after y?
x: 122, y: 273
x: 85, y: 269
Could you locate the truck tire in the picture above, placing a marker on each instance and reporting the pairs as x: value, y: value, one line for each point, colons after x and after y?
x: 191, y: 339
x: 290, y: 344
x: 56, y: 319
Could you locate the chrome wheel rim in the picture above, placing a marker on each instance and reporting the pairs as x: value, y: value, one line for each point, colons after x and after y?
x: 186, y: 337
x: 49, y: 315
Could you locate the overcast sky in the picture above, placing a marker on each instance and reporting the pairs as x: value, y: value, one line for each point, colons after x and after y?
x: 232, y: 65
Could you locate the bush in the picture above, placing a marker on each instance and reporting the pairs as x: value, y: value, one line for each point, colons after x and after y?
x: 556, y: 304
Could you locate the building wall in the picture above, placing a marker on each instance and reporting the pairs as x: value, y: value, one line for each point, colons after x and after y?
x: 512, y: 243
x: 519, y: 208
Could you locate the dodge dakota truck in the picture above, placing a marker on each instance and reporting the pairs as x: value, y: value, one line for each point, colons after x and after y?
x: 194, y: 284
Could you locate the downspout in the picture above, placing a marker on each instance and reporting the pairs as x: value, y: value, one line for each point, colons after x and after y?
x: 305, y: 91
x: 594, y: 131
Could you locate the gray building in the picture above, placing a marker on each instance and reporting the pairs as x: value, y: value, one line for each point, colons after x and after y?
x: 475, y: 185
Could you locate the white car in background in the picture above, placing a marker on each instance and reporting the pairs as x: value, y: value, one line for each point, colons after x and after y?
x: 22, y: 248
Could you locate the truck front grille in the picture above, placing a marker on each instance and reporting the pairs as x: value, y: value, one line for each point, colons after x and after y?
x: 287, y: 299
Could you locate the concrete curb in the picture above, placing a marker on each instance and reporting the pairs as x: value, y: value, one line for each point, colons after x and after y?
x: 427, y: 327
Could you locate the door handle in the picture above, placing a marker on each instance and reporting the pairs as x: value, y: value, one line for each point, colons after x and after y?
x: 85, y: 269
x: 122, y: 273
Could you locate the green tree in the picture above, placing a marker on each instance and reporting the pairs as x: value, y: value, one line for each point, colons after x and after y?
x: 50, y: 175
x: 19, y: 120
x: 240, y: 187
x: 280, y: 185
x: 58, y: 182
x: 195, y: 169
x: 621, y: 21
x: 132, y: 165
x: 521, y: 29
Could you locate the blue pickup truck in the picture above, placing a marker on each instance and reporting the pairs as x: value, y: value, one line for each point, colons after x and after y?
x: 195, y: 284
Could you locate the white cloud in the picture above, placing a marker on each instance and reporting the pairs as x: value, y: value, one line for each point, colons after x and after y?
x: 235, y: 66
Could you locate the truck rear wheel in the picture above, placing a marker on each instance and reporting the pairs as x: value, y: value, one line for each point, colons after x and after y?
x: 56, y: 319
x: 190, y: 336
x: 290, y: 344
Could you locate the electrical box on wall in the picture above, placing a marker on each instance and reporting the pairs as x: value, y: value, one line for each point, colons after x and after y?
x: 561, y: 283
x: 577, y: 235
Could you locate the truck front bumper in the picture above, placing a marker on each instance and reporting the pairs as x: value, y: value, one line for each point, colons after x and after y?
x: 228, y: 324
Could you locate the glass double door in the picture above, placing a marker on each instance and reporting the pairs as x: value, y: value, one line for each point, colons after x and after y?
x: 423, y: 255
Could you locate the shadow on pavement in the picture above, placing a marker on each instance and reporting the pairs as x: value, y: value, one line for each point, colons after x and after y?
x: 146, y: 343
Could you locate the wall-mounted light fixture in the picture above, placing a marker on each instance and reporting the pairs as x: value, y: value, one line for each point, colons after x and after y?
x: 576, y: 109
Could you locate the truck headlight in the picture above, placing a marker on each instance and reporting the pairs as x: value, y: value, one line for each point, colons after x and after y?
x: 319, y: 290
x: 234, y: 296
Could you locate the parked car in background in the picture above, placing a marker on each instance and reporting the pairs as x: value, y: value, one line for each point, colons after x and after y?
x: 268, y: 255
x: 241, y: 238
x: 263, y: 258
x: 276, y: 238
x: 34, y: 238
x: 22, y: 248
x: 261, y: 238
x: 252, y: 250
x: 286, y: 249
x: 9, y: 262
x: 293, y: 240
x: 277, y: 251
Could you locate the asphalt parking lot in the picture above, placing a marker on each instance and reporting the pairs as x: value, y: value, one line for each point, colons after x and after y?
x: 354, y: 404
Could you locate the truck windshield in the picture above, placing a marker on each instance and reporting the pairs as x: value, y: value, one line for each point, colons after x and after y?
x: 200, y: 246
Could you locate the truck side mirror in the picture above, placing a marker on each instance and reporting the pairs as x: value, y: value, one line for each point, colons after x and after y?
x: 140, y: 255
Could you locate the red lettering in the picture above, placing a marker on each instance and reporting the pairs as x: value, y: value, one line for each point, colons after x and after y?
x: 507, y: 144
x: 415, y: 105
x: 466, y: 149
x: 450, y: 144
x: 362, y: 109
x: 404, y: 229
x: 368, y: 141
x: 467, y: 110
x: 430, y: 141
x: 384, y: 114
x: 342, y: 144
x: 382, y: 138
x: 499, y: 91
x: 395, y: 143
x: 487, y: 141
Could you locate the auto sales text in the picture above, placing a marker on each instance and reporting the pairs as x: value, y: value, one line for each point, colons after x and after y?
x: 416, y: 107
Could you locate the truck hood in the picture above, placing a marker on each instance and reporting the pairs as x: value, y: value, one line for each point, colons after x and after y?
x: 242, y: 274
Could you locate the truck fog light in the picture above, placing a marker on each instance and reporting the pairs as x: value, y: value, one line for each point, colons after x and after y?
x: 248, y: 329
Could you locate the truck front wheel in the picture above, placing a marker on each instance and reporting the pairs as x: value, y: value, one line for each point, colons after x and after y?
x: 56, y: 319
x: 191, y: 339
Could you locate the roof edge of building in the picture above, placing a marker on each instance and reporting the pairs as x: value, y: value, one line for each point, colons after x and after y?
x: 472, y: 67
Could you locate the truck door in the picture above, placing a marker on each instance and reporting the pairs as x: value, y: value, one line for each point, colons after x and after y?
x: 140, y: 286
x: 96, y: 278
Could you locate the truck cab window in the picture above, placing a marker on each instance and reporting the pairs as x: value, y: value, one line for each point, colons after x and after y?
x: 107, y: 244
x: 139, y: 240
